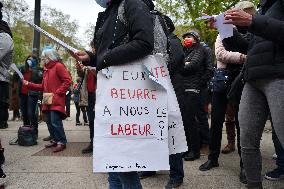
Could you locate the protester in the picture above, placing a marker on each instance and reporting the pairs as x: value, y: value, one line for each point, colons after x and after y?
x: 77, y: 91
x: 6, y: 51
x: 202, y: 114
x: 56, y: 81
x: 175, y: 66
x: 29, y: 98
x: 229, y: 65
x: 113, y: 50
x: 90, y: 82
x: 193, y: 69
x: 264, y: 80
x: 14, y: 100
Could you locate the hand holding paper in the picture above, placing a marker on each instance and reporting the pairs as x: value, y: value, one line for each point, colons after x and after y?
x: 238, y: 17
x: 225, y: 29
x: 14, y: 67
x: 25, y: 82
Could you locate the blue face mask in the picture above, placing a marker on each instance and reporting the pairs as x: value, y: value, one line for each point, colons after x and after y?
x: 102, y: 3
x: 30, y: 63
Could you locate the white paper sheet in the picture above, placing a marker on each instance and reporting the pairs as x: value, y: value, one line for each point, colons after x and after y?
x: 14, y: 67
x: 225, y: 30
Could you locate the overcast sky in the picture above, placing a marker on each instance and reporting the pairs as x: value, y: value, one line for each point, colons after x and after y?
x: 84, y: 11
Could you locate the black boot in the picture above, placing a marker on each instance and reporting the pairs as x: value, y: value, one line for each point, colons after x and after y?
x: 2, y: 174
x: 243, y: 178
x: 254, y: 185
x: 2, y: 157
x: 3, y: 125
x: 88, y: 149
x: 208, y: 165
x: 191, y: 156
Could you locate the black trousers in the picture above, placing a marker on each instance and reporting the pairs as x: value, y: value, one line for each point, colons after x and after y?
x: 191, y: 100
x: 219, y: 105
x: 4, y: 102
x: 78, y: 112
x: 202, y: 118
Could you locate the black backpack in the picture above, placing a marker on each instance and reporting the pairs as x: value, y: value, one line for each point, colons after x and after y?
x: 27, y: 136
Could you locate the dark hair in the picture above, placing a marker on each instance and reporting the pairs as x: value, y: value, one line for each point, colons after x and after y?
x: 1, y: 5
x: 93, y: 43
x: 169, y: 23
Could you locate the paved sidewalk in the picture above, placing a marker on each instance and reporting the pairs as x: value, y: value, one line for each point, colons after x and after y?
x: 25, y: 171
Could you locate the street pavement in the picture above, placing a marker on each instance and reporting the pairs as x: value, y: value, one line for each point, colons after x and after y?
x: 25, y: 171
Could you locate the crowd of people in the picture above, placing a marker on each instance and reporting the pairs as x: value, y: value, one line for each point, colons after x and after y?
x: 249, y: 64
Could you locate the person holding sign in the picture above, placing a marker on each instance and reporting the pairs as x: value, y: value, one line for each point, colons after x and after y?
x: 117, y: 44
x: 56, y: 81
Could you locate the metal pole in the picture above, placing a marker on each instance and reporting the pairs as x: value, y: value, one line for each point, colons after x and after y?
x: 36, y: 40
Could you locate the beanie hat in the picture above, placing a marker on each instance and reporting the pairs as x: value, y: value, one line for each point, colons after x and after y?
x: 49, y: 52
x: 193, y: 34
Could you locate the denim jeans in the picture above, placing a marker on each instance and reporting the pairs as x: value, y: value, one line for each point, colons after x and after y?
x: 279, y: 151
x: 127, y: 180
x: 91, y: 113
x: 176, y: 168
x: 55, y: 126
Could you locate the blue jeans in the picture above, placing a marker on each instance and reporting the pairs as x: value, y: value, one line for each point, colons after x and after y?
x: 279, y: 151
x: 176, y: 168
x: 127, y: 180
x: 55, y: 126
x: 91, y: 113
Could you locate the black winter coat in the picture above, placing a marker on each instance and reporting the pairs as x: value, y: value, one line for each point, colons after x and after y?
x: 176, y: 63
x: 193, y: 71
x: 265, y: 50
x: 117, y: 43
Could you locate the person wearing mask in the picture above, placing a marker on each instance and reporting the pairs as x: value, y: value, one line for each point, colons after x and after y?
x: 263, y: 74
x: 6, y: 52
x: 56, y: 81
x: 192, y: 71
x: 117, y: 44
x: 29, y: 98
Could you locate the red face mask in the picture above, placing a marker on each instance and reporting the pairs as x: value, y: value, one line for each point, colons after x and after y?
x: 187, y: 42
